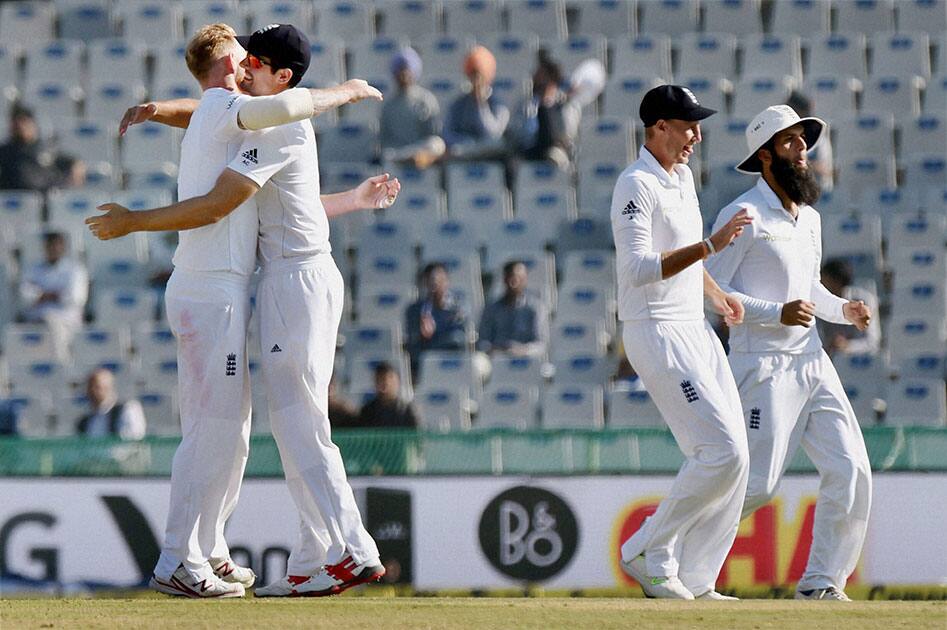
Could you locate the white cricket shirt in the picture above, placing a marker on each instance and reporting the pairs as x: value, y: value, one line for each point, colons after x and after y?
x: 776, y: 260
x: 654, y: 211
x: 210, y: 143
x: 283, y: 162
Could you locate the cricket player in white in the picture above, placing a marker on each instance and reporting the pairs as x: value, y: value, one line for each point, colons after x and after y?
x: 208, y: 306
x: 790, y: 390
x: 300, y: 301
x: 662, y: 288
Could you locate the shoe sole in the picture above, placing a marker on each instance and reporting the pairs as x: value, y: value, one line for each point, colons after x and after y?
x: 177, y: 588
x: 374, y: 576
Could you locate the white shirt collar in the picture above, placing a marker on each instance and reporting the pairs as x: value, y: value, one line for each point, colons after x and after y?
x: 655, y: 167
x: 773, y: 201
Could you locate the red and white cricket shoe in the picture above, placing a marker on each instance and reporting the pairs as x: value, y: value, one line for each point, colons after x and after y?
x: 182, y: 583
x: 229, y: 571
x: 332, y: 579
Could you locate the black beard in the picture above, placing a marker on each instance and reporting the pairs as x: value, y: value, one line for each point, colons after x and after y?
x: 798, y: 182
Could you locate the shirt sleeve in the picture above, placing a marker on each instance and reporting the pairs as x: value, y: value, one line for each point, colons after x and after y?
x: 723, y: 265
x: 828, y: 306
x: 632, y: 208
x: 226, y: 127
x: 263, y: 154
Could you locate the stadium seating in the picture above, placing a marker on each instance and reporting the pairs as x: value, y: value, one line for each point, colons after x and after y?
x: 839, y: 55
x: 345, y: 19
x: 863, y: 17
x: 612, y: 18
x: 632, y: 408
x: 409, y: 18
x: 673, y: 17
x: 473, y: 16
x: 916, y: 401
x: 740, y: 17
x: 573, y: 407
x: 547, y: 17
x: 508, y: 405
x: 642, y: 56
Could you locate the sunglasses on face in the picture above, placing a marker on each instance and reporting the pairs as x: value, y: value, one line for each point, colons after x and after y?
x: 256, y: 62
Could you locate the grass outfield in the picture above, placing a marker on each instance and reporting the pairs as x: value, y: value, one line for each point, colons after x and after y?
x: 480, y: 613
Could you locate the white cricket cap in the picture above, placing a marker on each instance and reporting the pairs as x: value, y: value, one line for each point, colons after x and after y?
x: 768, y: 123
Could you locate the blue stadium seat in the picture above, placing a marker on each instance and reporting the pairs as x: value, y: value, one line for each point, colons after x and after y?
x: 573, y: 407
x: 85, y: 20
x: 151, y: 22
x: 473, y: 16
x: 672, y: 17
x: 345, y: 19
x: 863, y: 16
x: 508, y: 405
x: 633, y: 408
x: 839, y: 55
x: 410, y: 18
x: 916, y: 401
x: 645, y: 56
x: 545, y: 17
x: 612, y: 18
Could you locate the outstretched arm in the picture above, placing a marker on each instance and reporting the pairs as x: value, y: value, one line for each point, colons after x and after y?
x: 231, y: 190
x: 379, y: 191
x: 259, y: 112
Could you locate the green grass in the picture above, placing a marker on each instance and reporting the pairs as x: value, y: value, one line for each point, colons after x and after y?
x: 541, y: 613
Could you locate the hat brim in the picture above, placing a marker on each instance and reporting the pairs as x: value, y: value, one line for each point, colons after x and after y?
x: 243, y: 40
x: 812, y: 130
x: 698, y: 113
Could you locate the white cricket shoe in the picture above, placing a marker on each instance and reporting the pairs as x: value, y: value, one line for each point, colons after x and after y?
x: 229, y: 571
x: 332, y: 579
x: 183, y: 584
x: 720, y: 597
x: 656, y: 587
x: 829, y: 593
x: 283, y: 587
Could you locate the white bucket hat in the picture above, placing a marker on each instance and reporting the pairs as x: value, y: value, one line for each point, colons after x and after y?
x: 767, y: 124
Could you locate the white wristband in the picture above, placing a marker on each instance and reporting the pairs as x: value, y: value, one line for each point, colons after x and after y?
x: 710, y: 246
x: 262, y: 112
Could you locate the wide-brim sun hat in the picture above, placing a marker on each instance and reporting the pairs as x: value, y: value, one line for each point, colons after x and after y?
x: 767, y: 124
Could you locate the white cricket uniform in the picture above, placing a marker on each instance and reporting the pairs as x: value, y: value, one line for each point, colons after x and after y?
x: 300, y: 300
x: 208, y: 310
x: 790, y: 390
x: 683, y: 367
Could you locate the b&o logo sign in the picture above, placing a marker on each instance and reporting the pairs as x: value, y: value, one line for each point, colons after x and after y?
x: 528, y: 533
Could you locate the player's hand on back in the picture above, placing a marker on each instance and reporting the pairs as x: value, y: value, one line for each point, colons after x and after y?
x: 135, y: 115
x: 359, y: 90
x: 797, y: 313
x: 379, y: 191
x: 112, y: 224
x: 731, y: 229
x: 727, y: 306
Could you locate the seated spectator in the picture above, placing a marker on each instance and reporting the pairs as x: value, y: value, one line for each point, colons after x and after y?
x: 545, y: 125
x: 54, y: 292
x: 108, y: 415
x: 837, y: 278
x: 343, y: 413
x: 435, y: 321
x: 409, y: 118
x: 387, y: 409
x: 476, y: 120
x: 28, y: 163
x: 820, y: 158
x: 9, y: 415
x: 517, y: 323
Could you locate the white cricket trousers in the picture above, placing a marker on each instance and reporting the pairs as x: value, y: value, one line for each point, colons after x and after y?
x: 300, y: 306
x: 793, y: 399
x: 685, y: 370
x: 208, y: 313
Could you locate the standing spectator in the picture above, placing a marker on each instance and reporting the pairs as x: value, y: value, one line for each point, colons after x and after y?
x: 477, y: 120
x: 109, y: 416
x: 837, y: 278
x: 387, y: 409
x: 54, y: 292
x: 516, y: 323
x: 409, y: 119
x: 435, y: 321
x: 28, y: 163
x: 546, y: 124
x: 9, y: 416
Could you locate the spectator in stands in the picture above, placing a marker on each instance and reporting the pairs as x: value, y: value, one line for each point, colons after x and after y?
x: 387, y: 409
x: 9, y: 415
x: 837, y: 277
x: 29, y: 163
x: 343, y: 413
x: 476, y: 121
x: 545, y: 125
x: 409, y: 119
x: 516, y: 324
x: 54, y: 292
x: 820, y: 158
x: 436, y: 321
x: 109, y: 416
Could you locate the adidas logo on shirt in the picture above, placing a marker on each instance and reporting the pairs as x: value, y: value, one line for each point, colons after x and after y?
x: 275, y: 348
x: 249, y: 156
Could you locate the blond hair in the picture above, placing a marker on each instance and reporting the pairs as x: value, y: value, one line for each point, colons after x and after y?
x: 209, y: 44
